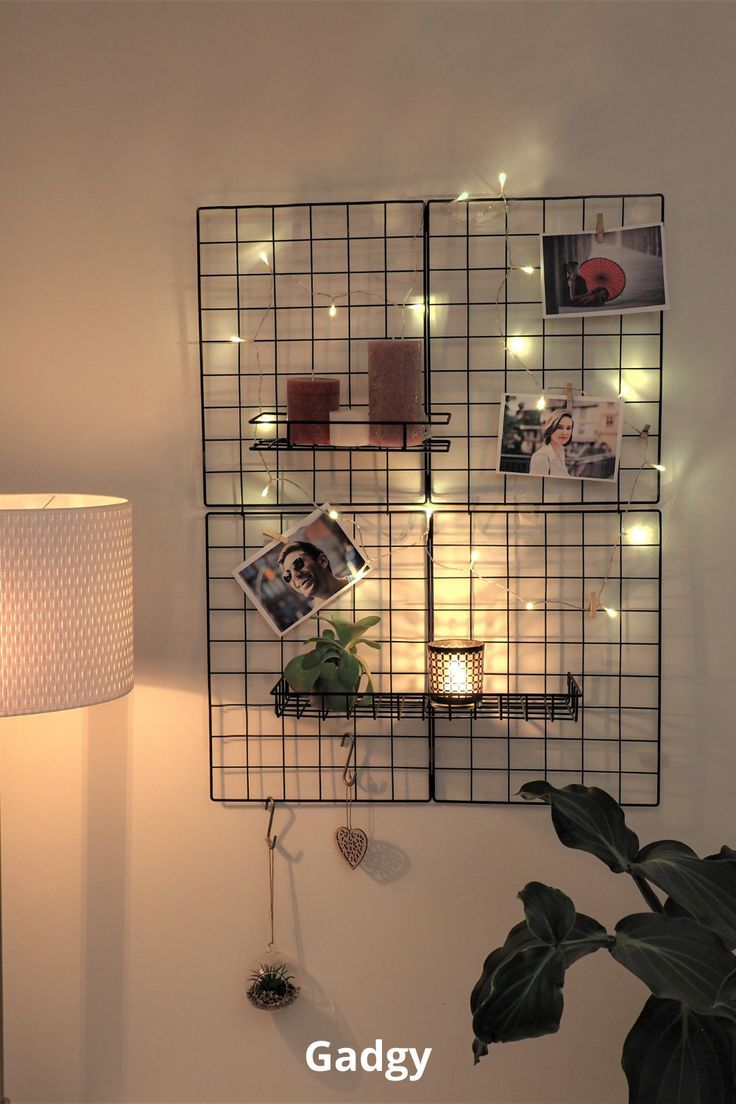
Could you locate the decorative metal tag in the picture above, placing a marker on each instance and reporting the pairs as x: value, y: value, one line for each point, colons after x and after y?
x: 353, y: 843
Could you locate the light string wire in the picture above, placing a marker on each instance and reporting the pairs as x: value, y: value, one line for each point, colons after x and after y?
x: 472, y: 570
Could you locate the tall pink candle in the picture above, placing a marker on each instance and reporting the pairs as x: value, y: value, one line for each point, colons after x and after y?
x: 396, y: 391
x: 310, y: 399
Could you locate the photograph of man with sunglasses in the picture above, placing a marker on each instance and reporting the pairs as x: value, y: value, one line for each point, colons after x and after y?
x: 307, y: 567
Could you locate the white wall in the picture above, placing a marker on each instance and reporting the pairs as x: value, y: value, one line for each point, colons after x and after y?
x: 133, y: 906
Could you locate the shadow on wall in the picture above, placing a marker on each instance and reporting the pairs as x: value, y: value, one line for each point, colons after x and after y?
x: 316, y: 1016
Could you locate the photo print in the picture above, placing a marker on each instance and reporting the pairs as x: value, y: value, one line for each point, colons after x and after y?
x: 622, y: 274
x: 559, y: 444
x: 304, y: 570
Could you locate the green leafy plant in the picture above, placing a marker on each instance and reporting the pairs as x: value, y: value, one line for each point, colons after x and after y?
x: 682, y: 1048
x: 272, y: 986
x: 333, y: 667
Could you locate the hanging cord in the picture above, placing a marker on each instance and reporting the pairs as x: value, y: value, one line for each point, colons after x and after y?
x: 349, y: 776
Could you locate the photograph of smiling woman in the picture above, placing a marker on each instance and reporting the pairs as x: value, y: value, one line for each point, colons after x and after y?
x: 557, y: 443
x: 304, y: 570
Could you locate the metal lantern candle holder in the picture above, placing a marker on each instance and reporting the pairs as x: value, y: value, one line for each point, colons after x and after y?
x: 455, y: 670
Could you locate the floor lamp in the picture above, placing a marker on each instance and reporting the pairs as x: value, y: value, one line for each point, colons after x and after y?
x: 66, y: 610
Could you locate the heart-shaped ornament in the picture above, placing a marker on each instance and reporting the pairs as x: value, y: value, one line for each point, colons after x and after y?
x: 353, y: 843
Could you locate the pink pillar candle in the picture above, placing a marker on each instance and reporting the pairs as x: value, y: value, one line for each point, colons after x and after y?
x: 396, y: 391
x: 310, y: 399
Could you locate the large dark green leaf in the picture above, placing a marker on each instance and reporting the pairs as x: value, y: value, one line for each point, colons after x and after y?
x: 679, y: 959
x: 704, y: 888
x: 586, y: 936
x: 674, y: 1056
x: 525, y: 999
x: 588, y: 819
x: 518, y: 938
x: 519, y: 994
x: 550, y: 914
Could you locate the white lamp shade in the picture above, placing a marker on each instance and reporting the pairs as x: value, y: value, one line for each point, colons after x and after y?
x: 66, y: 601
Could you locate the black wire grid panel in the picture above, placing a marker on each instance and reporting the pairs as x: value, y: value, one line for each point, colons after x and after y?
x: 304, y: 288
x: 263, y: 744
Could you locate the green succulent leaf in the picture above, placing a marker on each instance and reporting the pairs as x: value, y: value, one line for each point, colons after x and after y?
x: 371, y: 644
x: 672, y: 1055
x: 349, y: 670
x: 588, y: 819
x: 300, y: 678
x: 679, y: 959
x: 704, y: 889
x: 368, y: 622
x: 550, y: 914
x: 317, y: 657
x: 343, y: 628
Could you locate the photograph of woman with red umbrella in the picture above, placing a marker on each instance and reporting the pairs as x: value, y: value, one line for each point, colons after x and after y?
x: 621, y: 274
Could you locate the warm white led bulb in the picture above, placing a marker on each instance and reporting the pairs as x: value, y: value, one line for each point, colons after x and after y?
x: 266, y: 489
x: 541, y: 402
x: 529, y: 605
x: 237, y: 340
x: 332, y: 311
x: 264, y: 257
x: 612, y: 613
x: 428, y: 511
x: 473, y: 556
x: 659, y: 467
x: 518, y: 345
x: 640, y: 534
x: 529, y: 269
x: 334, y: 515
x: 462, y: 197
x: 502, y: 180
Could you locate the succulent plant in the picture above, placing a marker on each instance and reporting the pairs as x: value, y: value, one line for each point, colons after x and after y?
x: 271, y: 986
x: 333, y: 667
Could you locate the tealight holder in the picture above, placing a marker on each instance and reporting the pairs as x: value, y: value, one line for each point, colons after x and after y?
x: 455, y: 671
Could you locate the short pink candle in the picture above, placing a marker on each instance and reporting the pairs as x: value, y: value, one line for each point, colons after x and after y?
x: 310, y: 399
x: 396, y: 391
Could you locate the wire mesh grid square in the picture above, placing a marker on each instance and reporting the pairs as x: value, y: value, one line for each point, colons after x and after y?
x: 553, y: 561
x: 302, y: 290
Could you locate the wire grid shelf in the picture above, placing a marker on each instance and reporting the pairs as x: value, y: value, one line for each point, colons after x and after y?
x: 270, y: 275
x: 550, y: 557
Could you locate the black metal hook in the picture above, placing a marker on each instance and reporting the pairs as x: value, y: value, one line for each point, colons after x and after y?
x: 349, y: 776
x: 270, y: 840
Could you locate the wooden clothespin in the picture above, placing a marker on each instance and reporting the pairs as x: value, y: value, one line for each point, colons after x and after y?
x: 644, y: 431
x: 593, y: 604
x: 568, y: 397
x: 599, y: 231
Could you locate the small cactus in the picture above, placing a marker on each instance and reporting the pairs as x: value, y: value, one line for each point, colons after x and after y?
x: 272, y: 986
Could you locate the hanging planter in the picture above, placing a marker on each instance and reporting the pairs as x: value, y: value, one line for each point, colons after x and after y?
x: 272, y: 987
